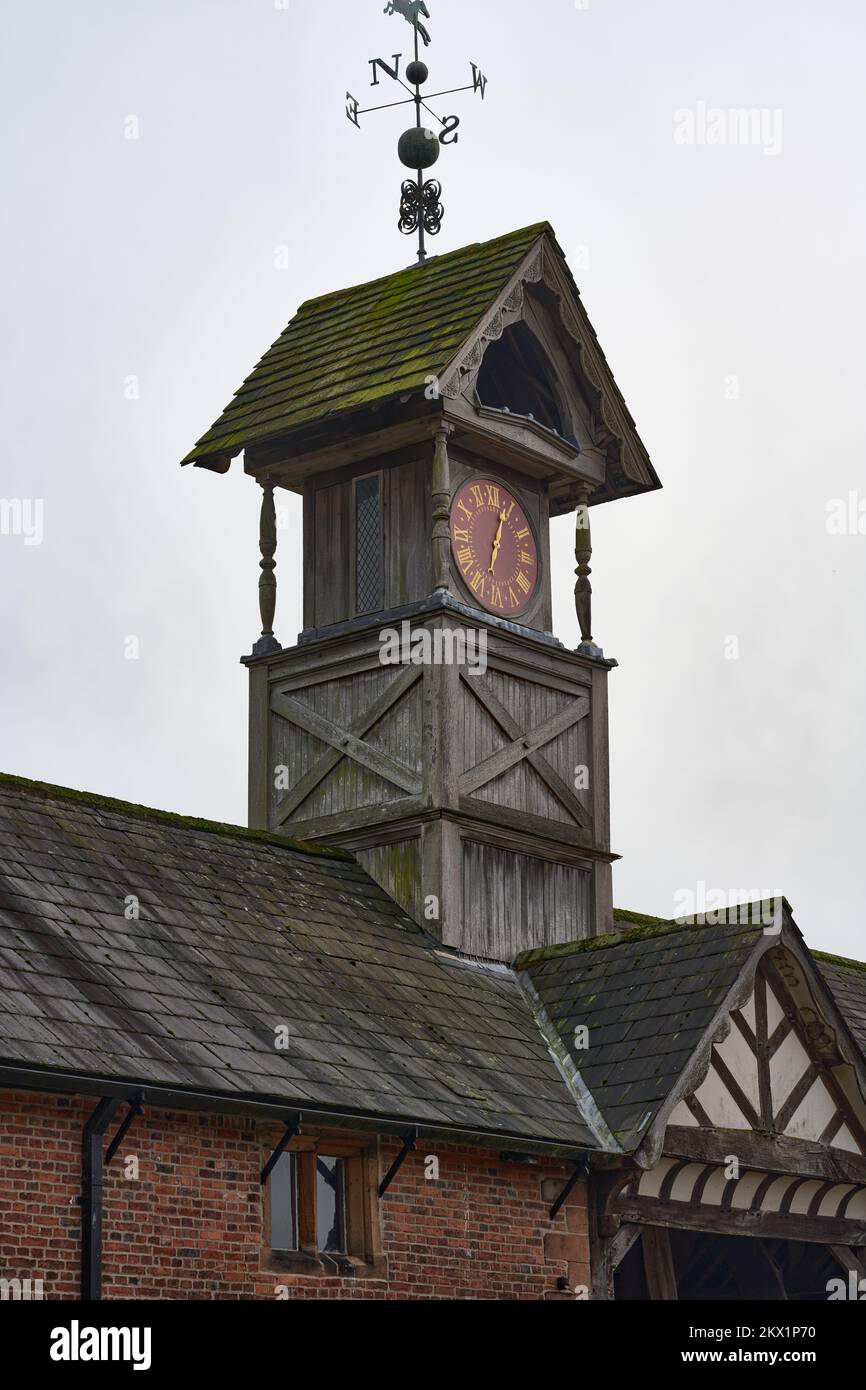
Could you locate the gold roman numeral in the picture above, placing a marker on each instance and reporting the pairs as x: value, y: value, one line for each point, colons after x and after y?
x: 523, y: 582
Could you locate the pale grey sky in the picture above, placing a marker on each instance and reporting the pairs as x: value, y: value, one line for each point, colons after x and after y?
x: 724, y: 282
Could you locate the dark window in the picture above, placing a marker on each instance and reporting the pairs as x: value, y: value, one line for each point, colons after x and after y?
x: 517, y: 376
x: 284, y: 1203
x: 368, y: 544
x: 319, y: 1204
x: 330, y: 1203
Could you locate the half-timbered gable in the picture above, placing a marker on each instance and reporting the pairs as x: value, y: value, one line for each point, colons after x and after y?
x: 726, y: 1067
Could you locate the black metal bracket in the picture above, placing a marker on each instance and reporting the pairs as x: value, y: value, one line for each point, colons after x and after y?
x: 136, y: 1108
x: 293, y: 1127
x: 410, y: 1143
x: 581, y: 1168
x: 91, y: 1195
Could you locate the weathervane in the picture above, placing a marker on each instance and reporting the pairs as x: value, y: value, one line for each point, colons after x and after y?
x: 418, y: 148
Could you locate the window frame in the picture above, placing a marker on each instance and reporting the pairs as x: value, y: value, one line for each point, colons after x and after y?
x: 360, y: 1216
x: 379, y: 475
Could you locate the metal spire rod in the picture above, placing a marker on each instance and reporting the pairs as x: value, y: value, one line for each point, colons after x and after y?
x: 421, y: 209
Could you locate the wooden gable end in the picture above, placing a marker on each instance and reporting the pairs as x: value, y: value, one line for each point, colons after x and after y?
x: 766, y: 1135
x: 779, y: 1071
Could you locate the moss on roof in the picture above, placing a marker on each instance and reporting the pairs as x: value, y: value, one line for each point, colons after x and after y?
x: 640, y: 919
x: 110, y: 803
x: 651, y: 926
x: 367, y: 344
x: 843, y: 962
x: 230, y: 940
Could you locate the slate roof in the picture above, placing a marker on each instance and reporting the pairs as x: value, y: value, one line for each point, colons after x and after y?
x: 367, y: 344
x: 646, y: 995
x: 238, y: 934
x: 847, y: 982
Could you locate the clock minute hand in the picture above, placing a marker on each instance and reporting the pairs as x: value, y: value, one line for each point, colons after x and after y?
x: 497, y: 543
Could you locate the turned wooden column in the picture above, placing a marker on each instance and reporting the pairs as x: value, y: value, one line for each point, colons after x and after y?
x: 441, y: 489
x: 268, y: 579
x: 583, y: 588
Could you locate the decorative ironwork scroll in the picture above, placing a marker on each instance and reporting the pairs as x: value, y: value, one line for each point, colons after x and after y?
x: 420, y: 206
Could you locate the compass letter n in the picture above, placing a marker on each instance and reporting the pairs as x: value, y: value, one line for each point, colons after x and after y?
x: 393, y: 72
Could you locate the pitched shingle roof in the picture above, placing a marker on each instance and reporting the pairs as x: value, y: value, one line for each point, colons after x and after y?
x: 240, y: 933
x: 847, y: 982
x: 367, y: 344
x: 646, y: 996
x: 237, y: 935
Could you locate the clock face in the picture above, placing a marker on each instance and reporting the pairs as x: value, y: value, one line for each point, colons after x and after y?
x: 494, y: 547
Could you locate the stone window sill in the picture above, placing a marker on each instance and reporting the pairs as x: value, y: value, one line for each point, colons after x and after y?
x: 320, y: 1265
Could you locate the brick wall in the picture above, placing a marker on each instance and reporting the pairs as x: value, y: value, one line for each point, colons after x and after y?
x: 191, y: 1225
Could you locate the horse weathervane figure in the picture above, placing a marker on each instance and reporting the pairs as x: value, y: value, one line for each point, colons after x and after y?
x: 410, y: 9
x: 418, y: 148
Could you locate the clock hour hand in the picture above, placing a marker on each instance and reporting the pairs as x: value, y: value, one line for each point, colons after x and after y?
x: 497, y: 543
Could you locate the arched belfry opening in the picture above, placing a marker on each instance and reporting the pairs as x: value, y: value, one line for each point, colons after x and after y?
x: 516, y: 375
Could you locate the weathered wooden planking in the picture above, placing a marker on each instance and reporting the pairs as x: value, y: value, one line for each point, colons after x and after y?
x: 512, y: 901
x: 372, y: 750
x: 396, y: 867
x: 332, y: 545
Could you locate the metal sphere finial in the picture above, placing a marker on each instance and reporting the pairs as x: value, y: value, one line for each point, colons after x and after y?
x: 418, y: 148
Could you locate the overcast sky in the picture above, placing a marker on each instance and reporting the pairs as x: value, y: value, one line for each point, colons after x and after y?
x: 144, y: 277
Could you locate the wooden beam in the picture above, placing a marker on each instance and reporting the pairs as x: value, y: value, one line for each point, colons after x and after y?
x: 659, y: 1265
x: 795, y: 1098
x: 346, y: 744
x: 358, y: 728
x: 762, y: 1052
x: 678, y: 1216
x: 850, y: 1261
x: 731, y: 1084
x: 766, y: 1153
x: 525, y: 744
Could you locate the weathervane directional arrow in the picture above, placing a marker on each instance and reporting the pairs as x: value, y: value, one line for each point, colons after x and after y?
x: 418, y: 148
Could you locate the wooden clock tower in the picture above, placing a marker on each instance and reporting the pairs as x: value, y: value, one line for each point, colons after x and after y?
x: 427, y: 718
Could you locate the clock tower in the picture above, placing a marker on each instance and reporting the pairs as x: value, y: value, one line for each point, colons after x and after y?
x: 427, y: 718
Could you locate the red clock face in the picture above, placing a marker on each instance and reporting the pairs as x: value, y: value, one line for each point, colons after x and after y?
x: 494, y: 547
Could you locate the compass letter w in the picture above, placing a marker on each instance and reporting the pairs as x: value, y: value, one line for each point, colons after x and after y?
x: 479, y: 81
